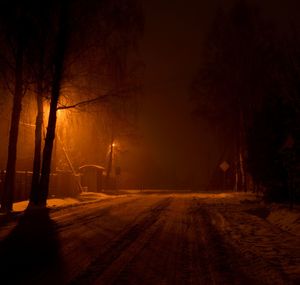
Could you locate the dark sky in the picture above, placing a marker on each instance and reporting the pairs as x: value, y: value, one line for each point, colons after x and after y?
x: 171, y: 49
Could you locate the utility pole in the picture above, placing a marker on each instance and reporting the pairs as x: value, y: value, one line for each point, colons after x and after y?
x: 110, y: 163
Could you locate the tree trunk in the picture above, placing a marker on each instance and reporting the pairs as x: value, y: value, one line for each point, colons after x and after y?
x: 241, y: 131
x: 55, y: 93
x: 34, y: 196
x: 236, y: 171
x: 242, y: 170
x: 37, y: 147
x: 9, y: 181
x: 109, y: 166
x: 237, y: 168
x: 47, y: 153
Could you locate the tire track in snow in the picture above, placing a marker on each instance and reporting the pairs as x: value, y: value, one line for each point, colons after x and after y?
x: 130, y: 235
x: 90, y: 215
x: 166, y: 254
x: 219, y: 259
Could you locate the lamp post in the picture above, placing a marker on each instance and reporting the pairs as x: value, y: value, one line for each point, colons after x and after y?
x: 110, y: 162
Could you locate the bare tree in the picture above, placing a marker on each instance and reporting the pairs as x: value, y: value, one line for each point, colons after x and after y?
x: 58, y: 65
x: 16, y: 29
x: 116, y: 23
x: 231, y: 81
x: 41, y: 73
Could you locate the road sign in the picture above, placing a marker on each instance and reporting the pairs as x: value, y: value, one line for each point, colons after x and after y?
x: 224, y: 166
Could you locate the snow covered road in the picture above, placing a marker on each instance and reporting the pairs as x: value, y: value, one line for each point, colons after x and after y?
x: 153, y: 238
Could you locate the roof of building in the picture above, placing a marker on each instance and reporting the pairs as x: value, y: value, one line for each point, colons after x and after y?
x: 93, y: 166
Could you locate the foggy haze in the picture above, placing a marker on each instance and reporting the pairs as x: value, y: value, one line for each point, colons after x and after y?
x: 174, y: 149
x: 183, y: 147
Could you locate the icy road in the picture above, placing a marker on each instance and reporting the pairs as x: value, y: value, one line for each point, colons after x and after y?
x: 153, y: 238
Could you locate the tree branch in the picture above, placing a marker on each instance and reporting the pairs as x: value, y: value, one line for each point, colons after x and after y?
x: 81, y: 103
x: 104, y: 97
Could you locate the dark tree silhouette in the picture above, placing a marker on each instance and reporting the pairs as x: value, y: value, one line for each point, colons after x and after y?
x: 16, y: 29
x: 52, y: 39
x: 58, y: 65
x: 40, y: 61
x: 120, y: 25
x: 273, y: 138
x: 231, y: 80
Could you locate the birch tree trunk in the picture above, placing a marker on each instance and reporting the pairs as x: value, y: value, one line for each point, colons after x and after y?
x: 9, y: 181
x: 55, y: 94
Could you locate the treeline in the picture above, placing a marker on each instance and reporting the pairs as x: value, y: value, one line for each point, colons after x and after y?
x: 248, y: 87
x: 66, y: 53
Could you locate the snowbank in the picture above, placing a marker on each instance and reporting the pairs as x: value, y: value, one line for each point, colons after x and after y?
x: 287, y: 220
x: 83, y: 198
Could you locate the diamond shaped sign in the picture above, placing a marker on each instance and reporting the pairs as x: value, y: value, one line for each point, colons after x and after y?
x: 224, y: 166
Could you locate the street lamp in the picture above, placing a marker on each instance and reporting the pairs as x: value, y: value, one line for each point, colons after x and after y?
x: 110, y: 161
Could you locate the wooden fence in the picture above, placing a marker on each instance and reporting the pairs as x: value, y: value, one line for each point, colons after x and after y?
x: 62, y: 184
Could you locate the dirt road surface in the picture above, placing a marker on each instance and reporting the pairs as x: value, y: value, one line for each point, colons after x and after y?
x: 153, y: 238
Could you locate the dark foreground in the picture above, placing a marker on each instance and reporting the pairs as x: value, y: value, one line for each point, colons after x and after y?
x: 150, y: 239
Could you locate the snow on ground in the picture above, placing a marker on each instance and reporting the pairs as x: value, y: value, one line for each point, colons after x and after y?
x: 279, y: 215
x: 288, y: 220
x: 83, y: 198
x: 266, y: 235
x: 156, y: 237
